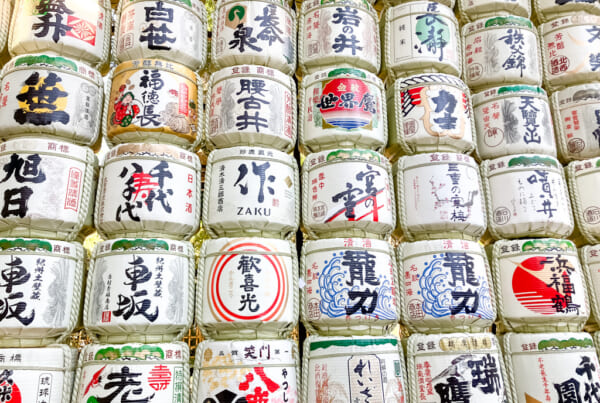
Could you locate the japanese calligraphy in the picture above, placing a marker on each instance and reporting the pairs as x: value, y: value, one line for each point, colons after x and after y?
x: 349, y: 196
x: 462, y: 272
x: 125, y: 384
x: 529, y: 113
x: 135, y: 304
x: 432, y: 32
x: 24, y: 171
x: 515, y: 40
x: 259, y: 170
x: 42, y: 101
x: 560, y: 282
x: 247, y: 265
x: 253, y: 98
x: 445, y: 102
x: 349, y: 19
x: 541, y: 177
x: 51, y: 14
x: 361, y: 267
x: 157, y: 36
x: 13, y: 306
x: 6, y: 385
x: 269, y: 32
x: 152, y: 81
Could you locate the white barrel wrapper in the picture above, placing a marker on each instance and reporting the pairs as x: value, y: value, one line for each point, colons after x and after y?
x: 429, y: 113
x: 148, y: 190
x: 445, y: 286
x: 526, y: 196
x: 246, y: 370
x: 540, y: 285
x: 471, y: 10
x: 73, y: 28
x: 261, y: 32
x: 590, y: 261
x: 251, y: 191
x: 342, y: 107
x: 546, y: 10
x: 247, y: 288
x: 51, y: 96
x: 140, y: 290
x: 351, y: 287
x: 551, y: 367
x: 439, y: 196
x: 455, y: 365
x: 347, y: 192
x: 584, y: 178
x: 501, y: 50
x: 46, y: 188
x: 336, y: 33
x: 37, y: 375
x: 152, y: 373
x: 170, y: 30
x: 5, y: 13
x: 513, y: 120
x: 353, y: 369
x: 420, y: 37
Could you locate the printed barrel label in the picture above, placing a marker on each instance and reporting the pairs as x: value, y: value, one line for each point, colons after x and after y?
x: 579, y: 119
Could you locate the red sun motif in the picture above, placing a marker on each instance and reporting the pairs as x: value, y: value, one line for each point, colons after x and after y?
x: 15, y: 395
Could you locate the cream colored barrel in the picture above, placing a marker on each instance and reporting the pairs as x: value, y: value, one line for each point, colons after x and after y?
x: 547, y: 10
x: 583, y: 178
x: 471, y: 10
x: 540, y: 285
x: 5, y: 13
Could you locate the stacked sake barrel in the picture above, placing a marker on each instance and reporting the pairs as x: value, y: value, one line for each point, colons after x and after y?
x: 50, y: 107
x: 247, y: 293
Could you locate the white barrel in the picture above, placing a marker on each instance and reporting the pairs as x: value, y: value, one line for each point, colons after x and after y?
x: 172, y: 30
x: 512, y: 120
x: 5, y: 13
x: 46, y: 187
x: 247, y: 288
x: 353, y: 369
x: 260, y: 32
x: 430, y: 113
x: 140, y: 290
x: 338, y: 33
x: 584, y: 179
x: 154, y: 101
x: 590, y: 261
x: 143, y: 372
x: 547, y: 10
x: 351, y: 287
x: 571, y: 50
x: 551, y: 367
x: 447, y: 3
x: 250, y: 106
x: 456, y: 366
x: 445, y: 286
x: 342, y: 107
x: 38, y: 375
x: 242, y: 371
x: 360, y: 200
x: 500, y: 51
x: 576, y: 112
x: 42, y: 95
x: 471, y: 10
x: 148, y: 190
x: 71, y: 28
x: 540, y: 285
x: 439, y: 196
x: 251, y: 191
x: 420, y: 37
x: 526, y: 196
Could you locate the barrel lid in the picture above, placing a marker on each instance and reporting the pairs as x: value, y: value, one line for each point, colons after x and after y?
x: 138, y: 245
x: 249, y: 153
x: 134, y: 150
x: 341, y: 72
x: 43, y: 246
x: 249, y: 69
x: 171, y: 67
x: 507, y: 247
x: 264, y: 353
x: 514, y: 90
x: 347, y: 155
x: 567, y: 342
x: 195, y: 6
x: 323, y: 245
x: 410, y: 249
x: 31, y: 145
x: 132, y: 352
x: 33, y: 61
x: 537, y: 161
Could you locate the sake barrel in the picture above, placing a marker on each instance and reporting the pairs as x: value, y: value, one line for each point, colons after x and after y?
x: 261, y: 32
x: 350, y: 369
x: 172, y: 30
x: 547, y: 10
x: 71, y: 28
x: 571, y: 50
x: 251, y: 106
x: 46, y: 186
x: 576, y: 121
x: 447, y: 3
x: 515, y: 119
x: 5, y: 13
x: 152, y: 100
x: 336, y: 34
x: 420, y: 37
x: 430, y: 113
x: 41, y: 289
x: 584, y: 178
x: 239, y: 370
x: 342, y: 107
x: 526, y: 196
x: 251, y: 191
x: 350, y: 287
x: 551, y: 367
x: 445, y: 286
x: 358, y: 203
x: 148, y: 190
x: 38, y: 374
x: 247, y: 288
x: 140, y: 290
x: 51, y: 96
x: 456, y: 366
x: 439, y: 196
x: 590, y: 261
x: 147, y: 372
x: 500, y: 51
x: 540, y: 285
x: 471, y: 10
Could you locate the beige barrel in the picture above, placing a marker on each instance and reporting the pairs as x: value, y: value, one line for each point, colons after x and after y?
x: 547, y: 10
x: 590, y: 261
x: 471, y: 10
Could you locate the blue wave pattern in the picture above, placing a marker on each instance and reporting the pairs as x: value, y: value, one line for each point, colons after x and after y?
x: 437, y: 292
x: 334, y: 290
